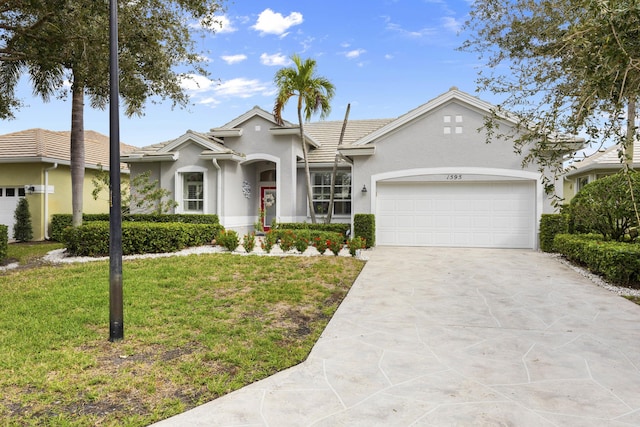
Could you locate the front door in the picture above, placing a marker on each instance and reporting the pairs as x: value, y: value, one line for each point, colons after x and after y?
x: 268, y: 204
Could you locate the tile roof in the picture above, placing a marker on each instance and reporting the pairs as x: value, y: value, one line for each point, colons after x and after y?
x: 41, y: 144
x: 161, y: 147
x: 607, y: 159
x: 327, y: 133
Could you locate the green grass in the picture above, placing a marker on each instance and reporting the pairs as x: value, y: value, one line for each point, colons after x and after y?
x: 30, y: 251
x: 196, y: 328
x: 633, y: 299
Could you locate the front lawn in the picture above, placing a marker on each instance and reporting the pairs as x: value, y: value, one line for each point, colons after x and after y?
x: 196, y: 327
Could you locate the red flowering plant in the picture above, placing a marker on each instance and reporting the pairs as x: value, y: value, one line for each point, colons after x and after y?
x: 335, y: 246
x: 287, y: 240
x: 302, y: 243
x: 249, y: 241
x: 320, y: 244
x: 268, y: 241
x: 356, y: 244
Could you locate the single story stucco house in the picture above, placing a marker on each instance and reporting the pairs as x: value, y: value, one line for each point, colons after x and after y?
x: 598, y: 165
x: 429, y: 176
x: 35, y: 163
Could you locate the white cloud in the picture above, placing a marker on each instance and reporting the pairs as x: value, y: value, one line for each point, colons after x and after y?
x: 233, y: 59
x: 414, y: 34
x: 452, y: 24
x: 275, y: 59
x: 352, y: 54
x: 270, y: 22
x: 243, y: 88
x: 388, y: 56
x: 220, y: 24
x: 204, y: 91
x: 196, y: 83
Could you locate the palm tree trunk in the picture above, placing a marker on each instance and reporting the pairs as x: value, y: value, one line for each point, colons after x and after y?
x: 334, y: 172
x: 77, y: 153
x: 307, y: 172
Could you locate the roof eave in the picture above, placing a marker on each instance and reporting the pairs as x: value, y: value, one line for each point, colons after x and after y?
x: 150, y: 157
x: 596, y: 167
x: 294, y: 131
x: 361, y: 150
x: 208, y: 155
x: 226, y: 132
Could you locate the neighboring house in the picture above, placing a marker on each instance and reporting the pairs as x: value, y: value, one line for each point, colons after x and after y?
x: 428, y: 176
x: 596, y: 166
x: 35, y: 164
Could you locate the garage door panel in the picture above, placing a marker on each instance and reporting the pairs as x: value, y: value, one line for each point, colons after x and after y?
x: 481, y: 214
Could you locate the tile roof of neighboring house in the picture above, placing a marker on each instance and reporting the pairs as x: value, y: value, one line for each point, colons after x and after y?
x: 327, y: 133
x: 54, y: 146
x: 607, y: 159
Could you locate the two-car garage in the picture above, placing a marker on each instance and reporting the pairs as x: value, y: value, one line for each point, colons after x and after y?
x: 457, y: 213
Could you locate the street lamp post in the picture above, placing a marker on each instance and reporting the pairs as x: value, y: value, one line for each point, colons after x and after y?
x: 116, y: 318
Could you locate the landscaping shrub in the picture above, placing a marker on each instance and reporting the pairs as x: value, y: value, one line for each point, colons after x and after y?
x: 356, y: 244
x: 334, y: 227
x: 92, y: 239
x: 605, y: 206
x: 4, y: 242
x: 22, y: 230
x: 302, y: 241
x: 335, y: 245
x: 269, y: 240
x: 249, y: 242
x: 228, y: 239
x: 617, y: 262
x: 320, y: 243
x: 550, y: 225
x: 364, y: 225
x: 61, y: 221
x: 287, y: 240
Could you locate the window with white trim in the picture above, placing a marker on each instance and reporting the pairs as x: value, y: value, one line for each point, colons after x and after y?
x: 321, y: 188
x: 193, y: 192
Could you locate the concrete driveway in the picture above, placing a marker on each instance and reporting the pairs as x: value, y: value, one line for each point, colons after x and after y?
x: 456, y: 337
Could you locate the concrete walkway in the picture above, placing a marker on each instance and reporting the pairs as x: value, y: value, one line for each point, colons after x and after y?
x: 456, y: 337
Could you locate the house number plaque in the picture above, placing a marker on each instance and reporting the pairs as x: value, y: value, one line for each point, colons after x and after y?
x: 454, y: 177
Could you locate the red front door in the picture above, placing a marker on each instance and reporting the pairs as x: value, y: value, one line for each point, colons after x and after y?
x: 268, y: 205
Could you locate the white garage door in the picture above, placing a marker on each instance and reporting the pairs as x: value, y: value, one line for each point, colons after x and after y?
x: 9, y: 198
x: 497, y: 214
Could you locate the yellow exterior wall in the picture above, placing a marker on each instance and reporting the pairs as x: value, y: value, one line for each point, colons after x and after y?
x: 21, y: 174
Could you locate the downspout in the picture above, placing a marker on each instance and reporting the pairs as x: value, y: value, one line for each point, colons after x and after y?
x: 46, y: 200
x: 218, y: 188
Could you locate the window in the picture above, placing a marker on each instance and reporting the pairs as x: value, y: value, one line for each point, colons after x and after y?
x: 321, y: 187
x: 193, y: 192
x: 11, y: 192
x: 582, y: 181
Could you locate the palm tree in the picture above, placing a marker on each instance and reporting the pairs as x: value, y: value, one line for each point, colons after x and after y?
x: 314, y: 95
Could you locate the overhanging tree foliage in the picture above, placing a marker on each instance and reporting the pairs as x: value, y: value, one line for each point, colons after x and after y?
x: 567, y: 66
x: 67, y: 40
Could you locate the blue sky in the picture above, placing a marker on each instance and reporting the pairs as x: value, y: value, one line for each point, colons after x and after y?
x: 385, y: 57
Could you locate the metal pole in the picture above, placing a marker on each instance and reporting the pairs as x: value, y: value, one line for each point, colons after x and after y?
x: 116, y: 322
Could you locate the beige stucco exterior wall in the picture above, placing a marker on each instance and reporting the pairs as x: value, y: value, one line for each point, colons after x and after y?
x: 59, y: 197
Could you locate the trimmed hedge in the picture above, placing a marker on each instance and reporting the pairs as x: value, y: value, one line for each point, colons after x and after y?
x: 92, y: 239
x: 550, y: 225
x: 310, y: 235
x: 364, y: 225
x: 61, y: 221
x: 4, y: 242
x: 617, y: 262
x: 333, y: 227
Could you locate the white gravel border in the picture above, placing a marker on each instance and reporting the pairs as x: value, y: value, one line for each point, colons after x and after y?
x: 620, y: 290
